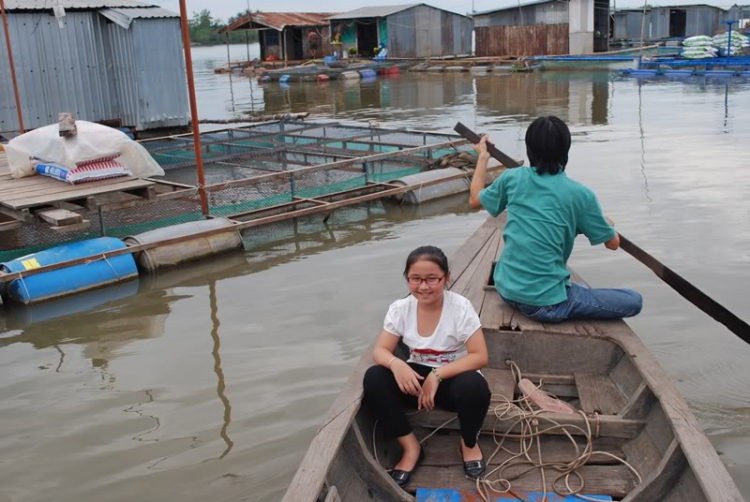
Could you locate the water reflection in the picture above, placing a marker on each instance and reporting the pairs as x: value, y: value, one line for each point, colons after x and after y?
x: 221, y: 384
x: 508, y: 97
x: 273, y: 245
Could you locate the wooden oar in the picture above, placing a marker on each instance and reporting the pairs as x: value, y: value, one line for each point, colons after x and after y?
x: 677, y: 282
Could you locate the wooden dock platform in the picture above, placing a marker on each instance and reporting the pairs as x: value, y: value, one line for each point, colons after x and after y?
x: 21, y: 198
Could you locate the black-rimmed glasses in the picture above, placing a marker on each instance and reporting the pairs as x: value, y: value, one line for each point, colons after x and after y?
x: 431, y: 281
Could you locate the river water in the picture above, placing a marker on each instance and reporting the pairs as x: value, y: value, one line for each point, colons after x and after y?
x: 208, y: 383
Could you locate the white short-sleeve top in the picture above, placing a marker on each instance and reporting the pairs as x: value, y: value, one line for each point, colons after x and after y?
x: 457, y: 323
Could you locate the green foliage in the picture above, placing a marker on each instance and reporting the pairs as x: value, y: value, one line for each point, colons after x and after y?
x: 204, y: 30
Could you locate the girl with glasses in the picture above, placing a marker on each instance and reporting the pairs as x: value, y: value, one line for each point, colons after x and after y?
x: 446, y: 348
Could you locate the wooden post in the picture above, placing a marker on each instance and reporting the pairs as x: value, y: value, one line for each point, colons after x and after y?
x: 283, y: 44
x: 21, y: 127
x: 229, y: 56
x: 247, y: 44
x: 193, y: 107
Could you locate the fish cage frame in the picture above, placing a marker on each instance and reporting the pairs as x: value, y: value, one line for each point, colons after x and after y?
x: 258, y: 174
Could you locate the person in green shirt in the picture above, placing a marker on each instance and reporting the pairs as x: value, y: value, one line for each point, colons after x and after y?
x: 546, y: 211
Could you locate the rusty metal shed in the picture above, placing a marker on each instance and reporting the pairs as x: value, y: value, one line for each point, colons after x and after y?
x: 406, y: 31
x: 286, y: 35
x: 544, y: 27
x: 113, y: 61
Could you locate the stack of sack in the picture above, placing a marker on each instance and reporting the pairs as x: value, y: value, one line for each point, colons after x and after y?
x: 699, y: 47
x: 730, y: 46
x: 92, y: 152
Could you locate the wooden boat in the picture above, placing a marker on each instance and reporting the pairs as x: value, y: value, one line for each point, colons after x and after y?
x: 624, y: 59
x: 633, y: 409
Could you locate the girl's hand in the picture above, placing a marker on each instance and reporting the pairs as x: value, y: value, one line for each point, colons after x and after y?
x: 427, y: 396
x: 406, y: 378
x: 481, y: 147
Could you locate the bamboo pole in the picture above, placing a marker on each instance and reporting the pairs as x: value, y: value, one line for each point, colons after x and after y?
x: 6, y: 29
x: 643, y: 31
x: 193, y: 108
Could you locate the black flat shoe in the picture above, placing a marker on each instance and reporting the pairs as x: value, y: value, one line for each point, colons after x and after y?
x: 402, y: 477
x: 473, y: 468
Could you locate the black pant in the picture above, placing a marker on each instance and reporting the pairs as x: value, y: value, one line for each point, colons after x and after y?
x: 466, y: 393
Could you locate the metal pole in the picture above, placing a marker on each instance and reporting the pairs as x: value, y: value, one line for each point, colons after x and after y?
x: 193, y: 108
x: 729, y: 39
x: 12, y: 66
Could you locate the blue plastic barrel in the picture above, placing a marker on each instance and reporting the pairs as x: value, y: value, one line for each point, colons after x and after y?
x: 328, y: 60
x: 71, y: 280
x: 368, y: 73
x: 285, y: 79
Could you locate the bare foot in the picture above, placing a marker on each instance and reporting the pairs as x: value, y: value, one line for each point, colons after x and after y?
x: 471, y: 453
x: 410, y: 456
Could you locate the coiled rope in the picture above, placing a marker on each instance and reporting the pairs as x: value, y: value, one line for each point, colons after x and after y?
x: 520, y: 412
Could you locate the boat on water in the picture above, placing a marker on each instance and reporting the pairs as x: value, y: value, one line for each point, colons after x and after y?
x: 632, y: 437
x: 312, y: 72
x: 625, y: 59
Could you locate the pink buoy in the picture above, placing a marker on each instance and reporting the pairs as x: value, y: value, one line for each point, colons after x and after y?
x: 543, y: 400
x: 323, y: 78
x: 395, y: 70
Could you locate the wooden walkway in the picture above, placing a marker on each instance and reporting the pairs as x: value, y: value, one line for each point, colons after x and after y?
x: 19, y: 197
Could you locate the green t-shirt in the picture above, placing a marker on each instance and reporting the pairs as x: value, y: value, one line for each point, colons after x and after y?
x: 545, y: 213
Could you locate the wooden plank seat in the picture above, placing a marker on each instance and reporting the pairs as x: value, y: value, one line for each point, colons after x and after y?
x: 598, y: 394
x: 441, y: 449
x: 608, y: 425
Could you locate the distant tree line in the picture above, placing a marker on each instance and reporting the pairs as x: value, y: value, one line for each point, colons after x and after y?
x: 204, y: 30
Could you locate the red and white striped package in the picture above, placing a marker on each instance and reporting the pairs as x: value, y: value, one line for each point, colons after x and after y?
x: 96, y: 170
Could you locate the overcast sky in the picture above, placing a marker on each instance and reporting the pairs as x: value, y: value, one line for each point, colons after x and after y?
x: 225, y: 8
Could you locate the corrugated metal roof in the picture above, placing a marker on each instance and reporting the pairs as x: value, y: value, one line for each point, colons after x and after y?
x: 73, y: 4
x: 124, y: 17
x: 674, y: 6
x: 279, y: 20
x: 376, y: 11
x: 516, y: 6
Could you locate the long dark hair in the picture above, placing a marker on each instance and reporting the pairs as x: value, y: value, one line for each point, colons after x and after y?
x: 429, y: 253
x: 547, y: 145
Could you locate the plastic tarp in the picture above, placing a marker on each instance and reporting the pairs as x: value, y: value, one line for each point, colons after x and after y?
x: 93, y: 141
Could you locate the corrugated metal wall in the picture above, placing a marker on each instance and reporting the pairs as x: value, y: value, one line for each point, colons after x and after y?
x: 57, y: 70
x: 551, y: 13
x: 402, y: 34
x: 700, y: 20
x: 412, y: 33
x: 545, y: 39
x: 162, y: 95
x: 703, y: 21
x: 96, y: 69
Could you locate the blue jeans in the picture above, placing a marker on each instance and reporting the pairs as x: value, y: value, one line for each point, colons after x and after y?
x: 586, y: 303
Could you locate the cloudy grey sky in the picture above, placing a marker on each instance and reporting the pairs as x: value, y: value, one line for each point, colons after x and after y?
x: 225, y: 8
